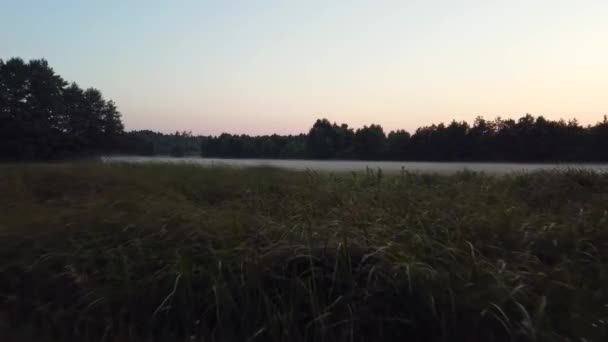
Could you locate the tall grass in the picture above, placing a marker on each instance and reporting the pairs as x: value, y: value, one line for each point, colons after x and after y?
x: 92, y: 252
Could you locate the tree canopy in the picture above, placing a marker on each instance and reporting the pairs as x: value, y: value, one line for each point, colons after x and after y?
x: 527, y: 139
x: 44, y: 117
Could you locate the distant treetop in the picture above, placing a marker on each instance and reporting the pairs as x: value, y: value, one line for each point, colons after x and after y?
x: 44, y: 117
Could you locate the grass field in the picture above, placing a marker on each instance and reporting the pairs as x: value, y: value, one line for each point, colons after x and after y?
x: 97, y: 252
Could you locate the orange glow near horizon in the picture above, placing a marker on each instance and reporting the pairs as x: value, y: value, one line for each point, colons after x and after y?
x: 263, y: 67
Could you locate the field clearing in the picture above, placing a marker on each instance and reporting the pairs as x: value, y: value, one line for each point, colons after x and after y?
x: 159, y: 252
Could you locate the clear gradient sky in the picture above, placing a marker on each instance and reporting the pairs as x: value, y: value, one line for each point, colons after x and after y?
x: 262, y: 67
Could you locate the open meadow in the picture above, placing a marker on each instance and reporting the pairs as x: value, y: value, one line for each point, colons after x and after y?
x: 156, y: 252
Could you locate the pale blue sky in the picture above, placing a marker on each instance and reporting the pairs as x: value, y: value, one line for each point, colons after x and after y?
x: 275, y: 66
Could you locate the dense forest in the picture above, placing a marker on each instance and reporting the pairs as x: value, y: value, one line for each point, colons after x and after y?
x: 528, y: 138
x: 44, y: 117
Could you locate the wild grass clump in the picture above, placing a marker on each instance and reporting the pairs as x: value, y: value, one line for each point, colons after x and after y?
x: 121, y: 252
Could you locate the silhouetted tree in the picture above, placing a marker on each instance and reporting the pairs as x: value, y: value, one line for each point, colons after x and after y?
x: 599, y: 141
x: 397, y: 144
x: 525, y: 139
x: 42, y: 117
x: 321, y: 140
x: 370, y: 142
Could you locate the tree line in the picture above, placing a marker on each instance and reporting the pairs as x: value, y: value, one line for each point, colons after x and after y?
x: 44, y: 117
x: 527, y: 139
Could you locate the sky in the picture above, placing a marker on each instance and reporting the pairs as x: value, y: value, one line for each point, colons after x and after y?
x: 262, y: 67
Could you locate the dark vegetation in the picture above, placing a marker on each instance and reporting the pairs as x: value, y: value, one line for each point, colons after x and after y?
x: 180, y: 253
x: 526, y: 139
x: 118, y: 252
x: 43, y: 117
